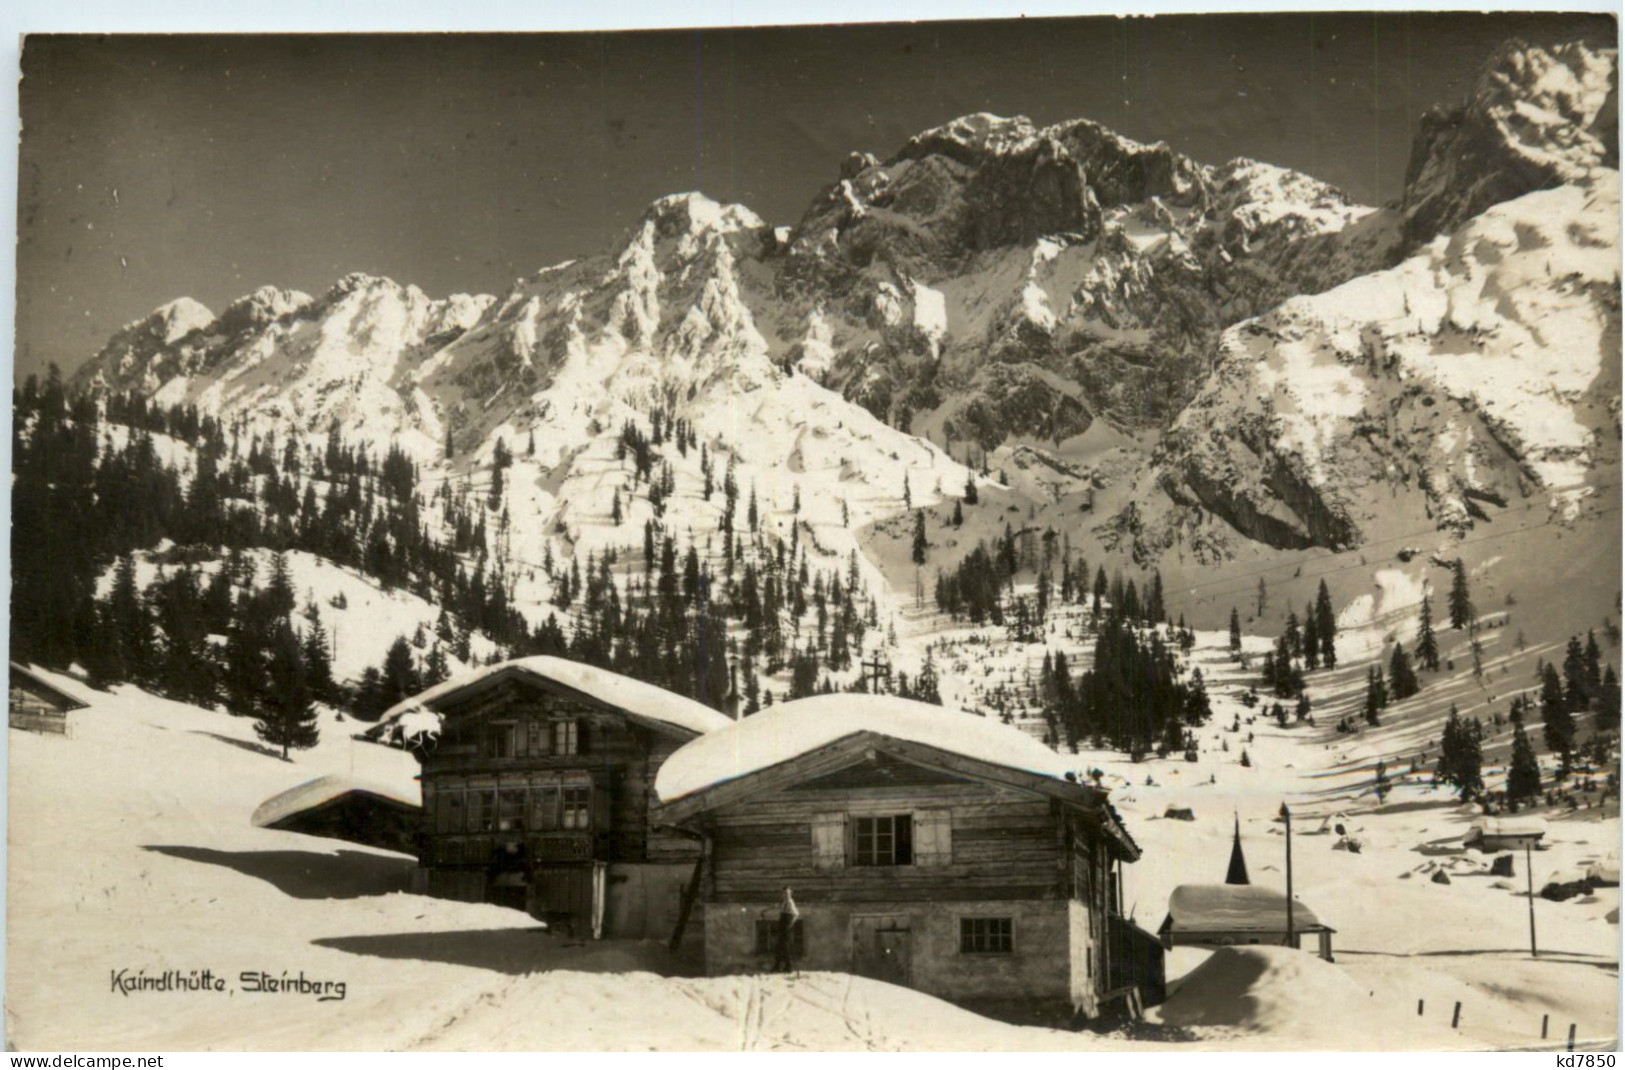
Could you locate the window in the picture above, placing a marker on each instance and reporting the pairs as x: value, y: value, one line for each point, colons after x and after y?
x: 499, y: 741
x: 537, y: 731
x: 511, y: 809
x: 767, y: 937
x: 986, y: 936
x: 544, y: 809
x: 883, y: 841
x: 577, y: 808
x: 566, y: 737
x: 449, y: 810
x: 482, y: 806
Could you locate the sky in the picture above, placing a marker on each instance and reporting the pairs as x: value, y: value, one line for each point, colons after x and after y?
x: 155, y: 167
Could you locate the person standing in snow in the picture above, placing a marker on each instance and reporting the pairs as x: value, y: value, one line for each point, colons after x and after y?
x: 788, y: 913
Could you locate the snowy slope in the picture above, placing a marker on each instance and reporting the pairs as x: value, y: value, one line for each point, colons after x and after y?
x: 1479, y: 372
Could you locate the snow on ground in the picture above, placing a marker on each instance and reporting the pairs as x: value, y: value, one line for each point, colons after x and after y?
x: 167, y: 840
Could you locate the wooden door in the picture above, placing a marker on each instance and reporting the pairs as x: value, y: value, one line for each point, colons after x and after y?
x: 563, y: 897
x: 881, y: 947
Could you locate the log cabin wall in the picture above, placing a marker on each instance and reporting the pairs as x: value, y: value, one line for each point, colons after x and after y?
x: 528, y: 783
x: 981, y: 855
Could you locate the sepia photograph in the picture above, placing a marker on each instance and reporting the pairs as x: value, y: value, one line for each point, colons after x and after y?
x: 1064, y: 534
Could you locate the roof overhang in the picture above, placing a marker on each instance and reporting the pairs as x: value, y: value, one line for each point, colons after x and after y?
x: 858, y: 747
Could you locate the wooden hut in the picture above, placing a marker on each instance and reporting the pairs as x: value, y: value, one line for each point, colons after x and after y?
x: 37, y: 705
x: 537, y: 784
x: 1227, y: 915
x: 924, y: 846
x: 1491, y: 834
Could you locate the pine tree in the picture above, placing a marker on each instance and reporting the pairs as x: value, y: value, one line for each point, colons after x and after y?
x: 1263, y: 598
x: 1523, y: 775
x: 1461, y: 763
x: 1593, y: 662
x: 1373, y: 695
x: 1401, y: 677
x: 1461, y: 603
x: 1380, y: 783
x: 1311, y: 640
x: 970, y: 488
x: 920, y: 543
x: 1235, y: 629
x: 1608, y: 702
x: 319, y: 661
x: 1326, y: 627
x: 1427, y: 644
x: 1577, y: 687
x: 1559, y: 721
x: 287, y: 714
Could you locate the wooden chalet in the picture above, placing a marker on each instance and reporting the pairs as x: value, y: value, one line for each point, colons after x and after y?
x: 537, y: 781
x: 924, y: 846
x: 36, y: 704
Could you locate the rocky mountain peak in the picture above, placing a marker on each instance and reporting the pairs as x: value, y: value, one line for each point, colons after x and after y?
x: 1535, y: 118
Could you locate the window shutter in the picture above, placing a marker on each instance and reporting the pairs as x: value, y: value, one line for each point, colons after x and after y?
x: 829, y: 841
x: 933, y: 838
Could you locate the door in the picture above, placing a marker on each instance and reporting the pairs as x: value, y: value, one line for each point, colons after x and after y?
x: 881, y: 947
x: 563, y: 897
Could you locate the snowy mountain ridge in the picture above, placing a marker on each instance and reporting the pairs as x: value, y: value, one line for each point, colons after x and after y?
x: 994, y: 287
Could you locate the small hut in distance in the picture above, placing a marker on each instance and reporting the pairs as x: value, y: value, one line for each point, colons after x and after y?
x: 1237, y: 913
x: 36, y: 704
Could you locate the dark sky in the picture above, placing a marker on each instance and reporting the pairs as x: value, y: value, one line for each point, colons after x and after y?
x: 155, y: 167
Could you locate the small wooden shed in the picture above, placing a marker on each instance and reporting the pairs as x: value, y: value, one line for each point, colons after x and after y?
x: 1491, y: 834
x: 1228, y: 915
x: 38, y: 705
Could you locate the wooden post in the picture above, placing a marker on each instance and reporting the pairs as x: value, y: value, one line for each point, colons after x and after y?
x: 1571, y: 1036
x: 1529, y: 879
x: 1544, y: 1019
x: 1291, y: 935
x: 1419, y: 1008
x: 1455, y: 1015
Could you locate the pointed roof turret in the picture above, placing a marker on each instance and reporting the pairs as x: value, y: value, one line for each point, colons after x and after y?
x: 1238, y: 862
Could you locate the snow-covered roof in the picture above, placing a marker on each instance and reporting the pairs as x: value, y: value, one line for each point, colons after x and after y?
x: 781, y: 733
x: 1510, y: 826
x: 325, y: 789
x: 1215, y: 908
x: 637, y: 698
x: 59, y: 686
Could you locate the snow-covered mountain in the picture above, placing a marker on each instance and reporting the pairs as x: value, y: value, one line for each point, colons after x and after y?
x: 996, y: 286
x: 1481, y: 370
x: 1536, y: 118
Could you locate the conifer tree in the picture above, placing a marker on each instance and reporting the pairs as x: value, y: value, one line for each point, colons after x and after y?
x: 1427, y: 643
x: 1326, y: 627
x: 1380, y: 783
x: 1461, y: 603
x: 1235, y: 632
x: 970, y: 488
x: 1460, y: 759
x: 1608, y: 702
x: 1373, y: 695
x: 1576, y: 681
x: 1559, y: 721
x: 1593, y: 657
x: 1401, y: 677
x: 1523, y: 774
x: 319, y: 661
x: 287, y: 713
x: 1311, y: 639
x: 920, y: 543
